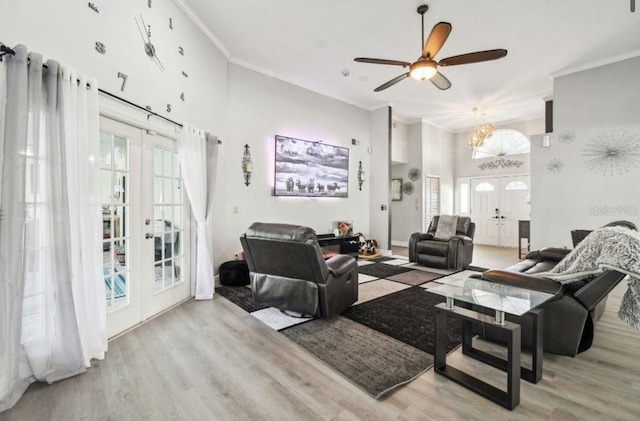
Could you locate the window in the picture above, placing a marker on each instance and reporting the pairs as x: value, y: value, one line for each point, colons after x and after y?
x: 501, y: 143
x: 516, y: 185
x: 484, y: 186
x: 431, y: 199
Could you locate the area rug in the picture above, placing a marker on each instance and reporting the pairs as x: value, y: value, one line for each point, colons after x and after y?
x: 408, y: 316
x: 379, y: 348
x: 376, y: 363
x: 382, y: 270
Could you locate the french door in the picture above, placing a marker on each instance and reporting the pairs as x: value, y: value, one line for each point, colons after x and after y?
x: 146, y: 225
x: 497, y: 204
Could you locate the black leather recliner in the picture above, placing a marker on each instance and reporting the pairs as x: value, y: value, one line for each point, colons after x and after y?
x: 570, y: 316
x: 288, y: 272
x: 455, y: 252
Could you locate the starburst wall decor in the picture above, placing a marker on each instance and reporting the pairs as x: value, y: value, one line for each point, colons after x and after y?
x: 555, y: 165
x: 611, y: 153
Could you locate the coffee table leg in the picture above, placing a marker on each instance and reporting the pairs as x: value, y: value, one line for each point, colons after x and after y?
x: 509, y: 398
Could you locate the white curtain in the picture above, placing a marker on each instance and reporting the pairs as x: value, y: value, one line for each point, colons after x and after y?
x: 52, y: 314
x: 192, y: 151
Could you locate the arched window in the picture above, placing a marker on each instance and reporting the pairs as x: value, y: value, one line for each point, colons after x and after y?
x: 503, y: 142
x: 516, y: 185
x: 484, y: 186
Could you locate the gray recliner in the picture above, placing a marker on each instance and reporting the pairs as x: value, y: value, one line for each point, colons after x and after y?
x: 455, y: 252
x: 288, y: 272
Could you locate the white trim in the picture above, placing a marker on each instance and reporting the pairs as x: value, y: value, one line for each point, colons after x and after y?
x: 593, y: 65
x: 205, y: 30
x: 124, y: 113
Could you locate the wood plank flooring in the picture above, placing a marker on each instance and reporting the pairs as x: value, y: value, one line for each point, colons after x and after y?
x: 210, y: 360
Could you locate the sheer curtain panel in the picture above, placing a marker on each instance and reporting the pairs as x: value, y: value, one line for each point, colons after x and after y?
x: 192, y: 151
x: 52, y: 314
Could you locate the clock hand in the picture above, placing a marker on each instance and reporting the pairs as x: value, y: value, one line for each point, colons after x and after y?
x: 157, y: 60
x: 143, y: 32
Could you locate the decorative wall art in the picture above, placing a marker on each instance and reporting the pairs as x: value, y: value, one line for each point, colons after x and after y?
x: 396, y: 189
x: 615, y: 152
x: 310, y: 169
x: 567, y: 137
x: 500, y: 163
x: 555, y: 165
x: 414, y: 174
x: 407, y: 188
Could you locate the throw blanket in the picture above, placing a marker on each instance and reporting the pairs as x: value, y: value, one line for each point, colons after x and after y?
x: 446, y: 228
x: 607, y: 248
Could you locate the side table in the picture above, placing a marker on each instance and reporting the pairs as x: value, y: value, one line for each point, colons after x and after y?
x: 502, y: 299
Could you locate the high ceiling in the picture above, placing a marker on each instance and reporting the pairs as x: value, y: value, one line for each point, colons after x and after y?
x: 311, y: 43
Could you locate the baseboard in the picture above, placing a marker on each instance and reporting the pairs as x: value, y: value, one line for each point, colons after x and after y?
x: 400, y: 243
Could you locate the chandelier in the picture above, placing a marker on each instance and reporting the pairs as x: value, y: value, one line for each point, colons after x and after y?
x: 476, y: 138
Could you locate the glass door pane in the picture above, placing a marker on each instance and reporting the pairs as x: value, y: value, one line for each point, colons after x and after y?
x: 114, y: 164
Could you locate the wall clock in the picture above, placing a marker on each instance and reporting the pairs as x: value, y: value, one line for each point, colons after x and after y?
x: 149, y: 48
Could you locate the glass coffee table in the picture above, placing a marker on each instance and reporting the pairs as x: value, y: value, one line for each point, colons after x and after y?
x: 501, y: 299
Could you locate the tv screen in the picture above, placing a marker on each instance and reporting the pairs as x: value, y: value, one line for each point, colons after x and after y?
x: 310, y: 169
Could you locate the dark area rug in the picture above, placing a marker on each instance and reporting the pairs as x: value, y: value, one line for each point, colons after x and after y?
x: 240, y: 296
x: 380, y: 270
x: 371, y: 360
x: 408, y: 316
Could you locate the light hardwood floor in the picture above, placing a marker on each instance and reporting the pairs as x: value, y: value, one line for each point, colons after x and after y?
x: 210, y: 360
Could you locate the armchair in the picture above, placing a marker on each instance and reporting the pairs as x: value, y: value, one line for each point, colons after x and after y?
x: 453, y: 251
x: 287, y: 271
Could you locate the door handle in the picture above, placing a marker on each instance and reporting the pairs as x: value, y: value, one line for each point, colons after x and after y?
x: 148, y: 235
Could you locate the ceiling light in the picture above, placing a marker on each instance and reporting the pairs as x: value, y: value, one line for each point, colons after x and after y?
x: 423, y: 69
x: 476, y: 138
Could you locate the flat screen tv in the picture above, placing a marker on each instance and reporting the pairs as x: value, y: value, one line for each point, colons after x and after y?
x: 310, y: 169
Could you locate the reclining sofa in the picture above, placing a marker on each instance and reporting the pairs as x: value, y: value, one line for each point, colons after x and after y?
x: 570, y: 316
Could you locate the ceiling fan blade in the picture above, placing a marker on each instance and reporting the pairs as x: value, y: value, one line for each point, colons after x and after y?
x: 440, y: 81
x: 436, y: 39
x: 391, y: 82
x: 382, y: 61
x: 476, y: 57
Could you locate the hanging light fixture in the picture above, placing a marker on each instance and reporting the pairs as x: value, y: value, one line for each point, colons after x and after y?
x: 476, y: 138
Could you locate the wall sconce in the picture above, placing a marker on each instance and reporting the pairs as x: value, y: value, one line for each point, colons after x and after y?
x: 360, y: 175
x: 247, y: 165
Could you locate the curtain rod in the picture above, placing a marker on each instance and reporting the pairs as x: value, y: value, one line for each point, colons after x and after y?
x: 6, y: 50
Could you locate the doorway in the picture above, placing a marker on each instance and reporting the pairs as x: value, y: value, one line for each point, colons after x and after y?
x: 497, y: 204
x: 146, y: 225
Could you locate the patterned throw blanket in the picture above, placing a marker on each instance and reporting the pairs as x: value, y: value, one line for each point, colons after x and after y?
x: 607, y: 248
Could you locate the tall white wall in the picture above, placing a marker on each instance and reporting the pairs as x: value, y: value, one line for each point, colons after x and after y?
x: 67, y: 31
x: 438, y: 160
x: 595, y: 145
x: 261, y: 107
x: 406, y: 215
x: 380, y: 199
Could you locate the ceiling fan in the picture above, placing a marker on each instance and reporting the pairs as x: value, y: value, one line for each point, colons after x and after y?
x: 425, y: 67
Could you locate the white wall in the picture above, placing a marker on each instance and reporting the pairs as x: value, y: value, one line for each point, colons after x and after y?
x: 438, y: 160
x: 380, y: 200
x: 406, y: 215
x: 67, y: 32
x: 595, y: 114
x: 261, y: 107
x: 399, y: 143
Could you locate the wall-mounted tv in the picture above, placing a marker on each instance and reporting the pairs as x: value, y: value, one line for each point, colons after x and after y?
x: 310, y: 169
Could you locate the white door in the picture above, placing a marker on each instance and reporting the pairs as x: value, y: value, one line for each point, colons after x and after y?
x: 497, y: 204
x: 484, y: 211
x: 514, y: 206
x: 145, y: 225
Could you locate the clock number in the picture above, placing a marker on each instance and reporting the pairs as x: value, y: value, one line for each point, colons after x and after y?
x: 170, y: 23
x: 182, y: 96
x: 184, y: 74
x: 148, y: 108
x: 181, y: 50
x: 124, y: 80
x: 150, y: 1
x: 94, y: 7
x: 100, y: 47
x: 168, y: 108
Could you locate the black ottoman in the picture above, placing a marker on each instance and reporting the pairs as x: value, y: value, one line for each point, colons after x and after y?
x: 234, y: 273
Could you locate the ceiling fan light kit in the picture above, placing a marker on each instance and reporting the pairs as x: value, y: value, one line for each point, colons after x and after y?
x: 426, y: 67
